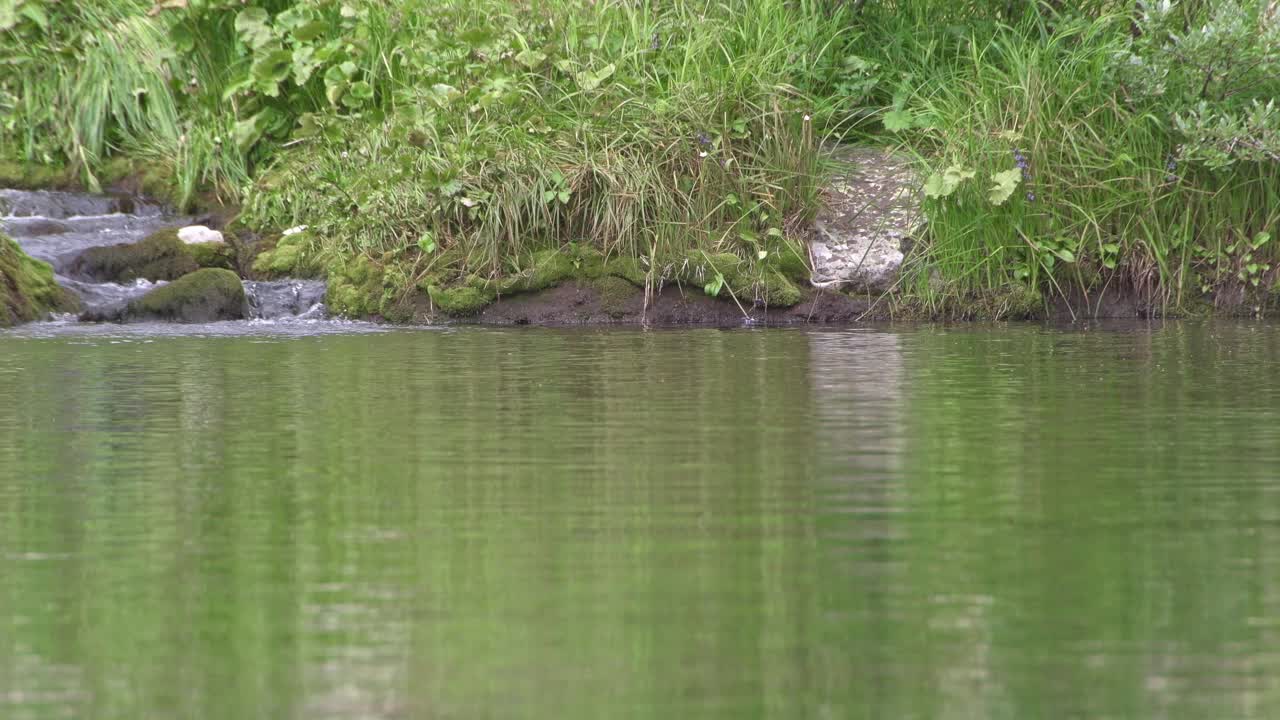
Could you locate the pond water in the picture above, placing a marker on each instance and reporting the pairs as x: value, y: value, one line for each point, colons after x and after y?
x: 257, y: 521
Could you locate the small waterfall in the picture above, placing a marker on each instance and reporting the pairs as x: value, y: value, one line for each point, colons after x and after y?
x: 278, y: 299
x: 57, y: 226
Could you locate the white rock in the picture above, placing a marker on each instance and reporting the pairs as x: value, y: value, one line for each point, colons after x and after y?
x: 870, y: 206
x: 194, y: 234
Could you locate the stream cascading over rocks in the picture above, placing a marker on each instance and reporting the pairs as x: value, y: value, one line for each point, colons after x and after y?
x: 57, y: 227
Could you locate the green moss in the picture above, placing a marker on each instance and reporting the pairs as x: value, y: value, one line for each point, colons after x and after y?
x: 289, y: 255
x: 362, y: 287
x: 788, y: 261
x: 779, y: 291
x: 460, y: 301
x: 615, y: 294
x: 203, y: 296
x: 628, y: 269
x: 213, y: 255
x: 546, y: 269
x: 745, y: 281
x: 159, y: 256
x: 30, y: 176
x: 27, y: 288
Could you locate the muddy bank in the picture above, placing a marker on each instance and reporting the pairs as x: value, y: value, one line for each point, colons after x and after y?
x: 583, y: 302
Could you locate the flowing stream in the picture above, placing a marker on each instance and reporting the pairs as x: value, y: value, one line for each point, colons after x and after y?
x: 57, y: 226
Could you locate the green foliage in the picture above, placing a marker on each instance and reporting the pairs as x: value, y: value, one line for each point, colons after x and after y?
x: 1141, y: 159
x: 1215, y: 68
x: 27, y: 287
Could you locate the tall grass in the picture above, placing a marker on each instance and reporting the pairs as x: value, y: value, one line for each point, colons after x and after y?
x: 648, y: 131
x: 1103, y: 206
x: 425, y: 134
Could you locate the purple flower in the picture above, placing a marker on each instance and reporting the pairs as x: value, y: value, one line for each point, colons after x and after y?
x: 656, y: 43
x: 1031, y: 197
x: 1023, y: 165
x: 703, y: 139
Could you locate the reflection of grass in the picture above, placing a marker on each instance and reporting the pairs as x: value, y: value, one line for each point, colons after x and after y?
x: 586, y: 523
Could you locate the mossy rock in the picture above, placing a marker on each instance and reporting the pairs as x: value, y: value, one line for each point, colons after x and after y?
x: 30, y: 176
x: 461, y: 301
x: 574, y: 261
x: 749, y: 283
x: 362, y: 287
x: 627, y: 268
x: 213, y: 255
x: 159, y: 256
x: 27, y: 288
x: 615, y: 294
x: 288, y: 255
x: 154, y: 180
x: 788, y: 261
x: 207, y: 295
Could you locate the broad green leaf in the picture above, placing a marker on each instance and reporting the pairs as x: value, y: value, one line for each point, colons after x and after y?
x: 249, y: 131
x: 8, y: 14
x: 444, y: 94
x: 335, y: 84
x: 427, y: 243
x: 898, y: 120
x: 712, y: 288
x: 934, y: 186
x: 940, y: 185
x: 589, y: 81
x: 180, y: 33
x: 531, y: 58
x: 310, y: 31
x: 253, y: 24
x: 304, y: 64
x: 1261, y: 239
x: 1005, y: 183
x: 361, y: 90
x: 308, y: 126
x: 1066, y: 255
x: 36, y: 14
x: 270, y: 70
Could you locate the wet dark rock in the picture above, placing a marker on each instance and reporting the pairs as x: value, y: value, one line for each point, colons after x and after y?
x: 208, y: 295
x: 36, y: 227
x: 159, y: 256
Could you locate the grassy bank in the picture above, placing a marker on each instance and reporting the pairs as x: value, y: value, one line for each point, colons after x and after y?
x: 451, y: 151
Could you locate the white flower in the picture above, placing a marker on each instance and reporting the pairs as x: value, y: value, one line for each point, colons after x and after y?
x: 294, y: 230
x: 807, y: 118
x: 344, y: 155
x: 702, y: 154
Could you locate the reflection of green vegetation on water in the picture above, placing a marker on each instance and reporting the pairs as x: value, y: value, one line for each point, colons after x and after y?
x: 945, y: 523
x: 1157, y: 544
x: 1068, y: 149
x: 252, y: 543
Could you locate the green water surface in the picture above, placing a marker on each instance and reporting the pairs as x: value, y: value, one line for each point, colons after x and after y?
x: 920, y: 522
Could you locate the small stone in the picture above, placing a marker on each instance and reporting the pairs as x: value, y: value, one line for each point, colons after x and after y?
x: 193, y: 234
